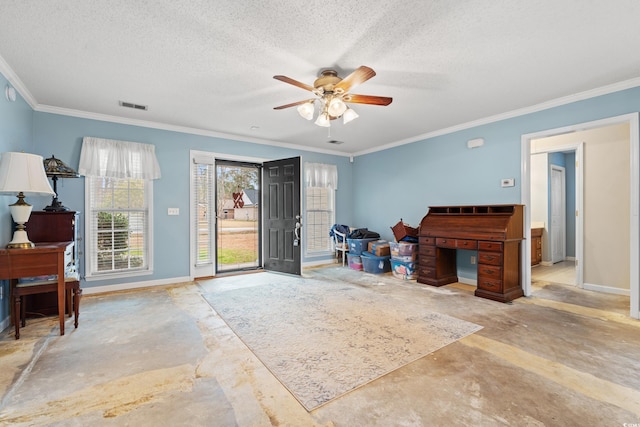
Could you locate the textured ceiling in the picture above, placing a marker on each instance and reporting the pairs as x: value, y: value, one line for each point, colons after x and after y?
x: 208, y: 66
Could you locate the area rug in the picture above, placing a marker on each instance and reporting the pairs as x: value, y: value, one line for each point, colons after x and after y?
x: 323, y: 339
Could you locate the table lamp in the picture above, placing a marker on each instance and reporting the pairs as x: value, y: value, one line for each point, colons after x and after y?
x: 22, y: 174
x: 56, y: 168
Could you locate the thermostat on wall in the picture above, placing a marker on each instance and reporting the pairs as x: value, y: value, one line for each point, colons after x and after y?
x: 508, y: 182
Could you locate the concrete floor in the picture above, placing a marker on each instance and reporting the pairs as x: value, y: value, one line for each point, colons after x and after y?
x: 163, y: 357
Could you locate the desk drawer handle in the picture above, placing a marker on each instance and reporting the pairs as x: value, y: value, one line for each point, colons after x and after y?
x: 490, y: 257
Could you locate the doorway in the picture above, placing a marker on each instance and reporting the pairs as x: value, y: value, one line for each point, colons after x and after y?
x: 238, y: 219
x: 241, y: 218
x: 630, y: 206
x: 558, y: 214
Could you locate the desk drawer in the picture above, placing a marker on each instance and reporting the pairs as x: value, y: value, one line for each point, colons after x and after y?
x: 445, y: 243
x: 427, y: 241
x: 466, y: 244
x: 426, y: 250
x: 489, y: 284
x: 427, y: 272
x: 490, y: 246
x: 492, y: 258
x: 492, y: 271
x: 427, y: 261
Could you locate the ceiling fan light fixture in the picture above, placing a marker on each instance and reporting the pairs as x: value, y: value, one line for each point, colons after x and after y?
x: 337, y: 107
x: 306, y: 110
x: 323, y: 120
x: 349, y: 115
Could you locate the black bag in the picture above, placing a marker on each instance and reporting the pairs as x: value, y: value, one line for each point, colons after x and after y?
x: 363, y: 233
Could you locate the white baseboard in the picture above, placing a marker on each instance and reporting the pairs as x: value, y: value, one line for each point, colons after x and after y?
x: 322, y: 262
x: 134, y: 285
x: 5, y: 323
x: 467, y: 281
x: 605, y: 289
x: 570, y: 258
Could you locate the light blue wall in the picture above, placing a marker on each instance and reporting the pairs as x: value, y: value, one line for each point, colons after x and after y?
x: 402, y: 182
x: 62, y: 136
x: 375, y: 191
x: 16, y: 121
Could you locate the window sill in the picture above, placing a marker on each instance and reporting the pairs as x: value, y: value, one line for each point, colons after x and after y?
x: 123, y: 275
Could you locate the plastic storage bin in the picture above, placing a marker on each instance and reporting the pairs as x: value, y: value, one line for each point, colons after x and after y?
x: 404, y: 251
x: 358, y: 246
x: 404, y: 270
x: 355, y: 261
x: 375, y: 264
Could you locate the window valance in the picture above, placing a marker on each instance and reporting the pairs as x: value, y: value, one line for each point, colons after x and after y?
x: 118, y: 159
x: 321, y: 175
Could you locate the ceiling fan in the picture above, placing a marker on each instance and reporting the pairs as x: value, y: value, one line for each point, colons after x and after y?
x: 332, y: 94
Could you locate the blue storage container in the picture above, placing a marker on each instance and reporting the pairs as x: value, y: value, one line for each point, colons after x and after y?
x: 375, y: 264
x: 357, y: 246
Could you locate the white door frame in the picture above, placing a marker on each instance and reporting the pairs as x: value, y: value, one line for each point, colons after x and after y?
x: 209, y: 269
x: 634, y: 198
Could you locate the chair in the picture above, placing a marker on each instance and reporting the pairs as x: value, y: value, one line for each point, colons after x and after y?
x: 21, y: 290
x: 340, y: 245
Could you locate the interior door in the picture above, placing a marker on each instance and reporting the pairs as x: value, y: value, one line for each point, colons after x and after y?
x: 281, y: 215
x: 558, y: 215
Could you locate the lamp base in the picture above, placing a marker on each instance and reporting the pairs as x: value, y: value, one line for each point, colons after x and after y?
x: 56, y: 206
x: 20, y: 240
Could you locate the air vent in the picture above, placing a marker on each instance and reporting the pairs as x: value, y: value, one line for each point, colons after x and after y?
x: 132, y: 105
x: 335, y: 141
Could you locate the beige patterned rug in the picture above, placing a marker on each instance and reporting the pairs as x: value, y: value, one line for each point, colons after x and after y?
x: 323, y: 339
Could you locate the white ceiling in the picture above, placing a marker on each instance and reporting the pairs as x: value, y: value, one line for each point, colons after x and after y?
x: 208, y: 66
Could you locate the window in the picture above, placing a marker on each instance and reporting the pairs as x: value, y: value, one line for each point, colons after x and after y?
x: 118, y: 200
x: 119, y: 219
x: 320, y: 185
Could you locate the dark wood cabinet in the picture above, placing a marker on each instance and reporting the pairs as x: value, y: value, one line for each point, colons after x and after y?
x: 45, y: 227
x: 494, y: 231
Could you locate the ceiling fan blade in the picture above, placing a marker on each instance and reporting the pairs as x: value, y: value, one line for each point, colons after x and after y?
x: 294, y: 82
x: 360, y: 75
x: 293, y: 104
x: 368, y: 99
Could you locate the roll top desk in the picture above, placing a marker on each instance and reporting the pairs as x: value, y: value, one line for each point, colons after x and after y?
x: 494, y: 231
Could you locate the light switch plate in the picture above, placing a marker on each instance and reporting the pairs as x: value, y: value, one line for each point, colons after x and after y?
x: 173, y: 211
x: 508, y: 182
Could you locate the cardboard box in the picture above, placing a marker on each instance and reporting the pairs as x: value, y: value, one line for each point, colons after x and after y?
x: 379, y: 248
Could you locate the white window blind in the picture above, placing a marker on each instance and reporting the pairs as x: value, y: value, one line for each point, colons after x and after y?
x: 203, y: 187
x: 321, y: 181
x: 118, y: 196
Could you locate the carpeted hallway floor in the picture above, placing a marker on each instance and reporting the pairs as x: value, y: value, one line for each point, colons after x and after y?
x: 163, y: 357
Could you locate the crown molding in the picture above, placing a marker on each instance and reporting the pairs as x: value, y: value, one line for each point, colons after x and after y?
x: 182, y: 129
x: 604, y: 90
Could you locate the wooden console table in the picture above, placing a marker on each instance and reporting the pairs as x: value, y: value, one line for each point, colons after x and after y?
x: 495, y: 231
x: 43, y: 260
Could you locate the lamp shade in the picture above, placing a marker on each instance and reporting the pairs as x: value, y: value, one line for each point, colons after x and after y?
x: 349, y: 115
x: 56, y: 167
x: 23, y: 172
